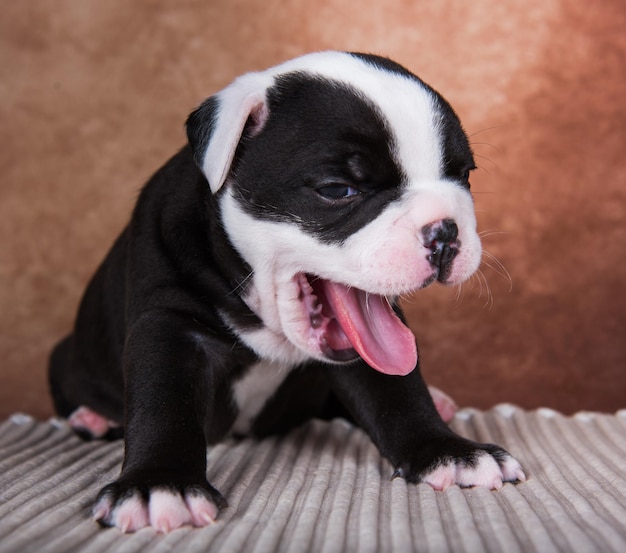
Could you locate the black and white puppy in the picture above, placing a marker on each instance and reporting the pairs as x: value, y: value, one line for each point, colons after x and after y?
x: 256, y: 284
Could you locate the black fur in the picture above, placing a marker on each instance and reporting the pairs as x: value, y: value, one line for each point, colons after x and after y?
x: 150, y: 348
x: 329, y: 136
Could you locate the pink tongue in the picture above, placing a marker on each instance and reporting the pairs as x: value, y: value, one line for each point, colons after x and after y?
x: 373, y: 329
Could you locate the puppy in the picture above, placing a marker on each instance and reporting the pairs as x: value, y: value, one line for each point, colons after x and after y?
x: 256, y: 284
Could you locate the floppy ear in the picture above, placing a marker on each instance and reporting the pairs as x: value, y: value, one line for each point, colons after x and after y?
x: 215, y: 128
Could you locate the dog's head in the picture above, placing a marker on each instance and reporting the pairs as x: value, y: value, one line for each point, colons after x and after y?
x: 342, y: 181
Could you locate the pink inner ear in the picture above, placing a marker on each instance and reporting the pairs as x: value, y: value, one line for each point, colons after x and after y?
x: 240, y: 112
x: 257, y: 119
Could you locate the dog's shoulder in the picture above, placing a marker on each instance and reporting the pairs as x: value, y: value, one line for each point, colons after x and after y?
x: 177, y: 248
x: 175, y: 190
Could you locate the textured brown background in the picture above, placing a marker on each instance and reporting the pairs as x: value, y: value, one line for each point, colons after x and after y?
x: 93, y: 96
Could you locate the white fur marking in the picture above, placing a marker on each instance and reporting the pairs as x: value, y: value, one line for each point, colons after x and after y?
x: 512, y: 470
x: 167, y: 511
x: 442, y: 477
x: 486, y: 473
x: 203, y: 512
x: 131, y: 515
x: 253, y: 390
x: 237, y: 102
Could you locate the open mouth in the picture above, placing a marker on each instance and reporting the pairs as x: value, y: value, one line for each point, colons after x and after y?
x: 347, y: 323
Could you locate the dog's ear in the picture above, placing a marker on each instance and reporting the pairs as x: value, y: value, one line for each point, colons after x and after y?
x: 215, y: 128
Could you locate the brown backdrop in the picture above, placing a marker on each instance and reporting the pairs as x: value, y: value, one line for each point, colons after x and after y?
x: 93, y: 96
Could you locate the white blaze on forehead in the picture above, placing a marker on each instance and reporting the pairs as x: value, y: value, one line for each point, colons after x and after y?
x: 408, y: 107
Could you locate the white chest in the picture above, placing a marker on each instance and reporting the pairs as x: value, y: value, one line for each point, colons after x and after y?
x: 253, y: 390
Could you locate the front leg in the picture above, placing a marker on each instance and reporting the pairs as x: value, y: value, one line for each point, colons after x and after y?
x: 170, y: 392
x: 399, y: 415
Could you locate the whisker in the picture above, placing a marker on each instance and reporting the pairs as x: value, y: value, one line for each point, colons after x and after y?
x: 481, y: 156
x: 482, y: 193
x: 498, y: 267
x: 408, y: 298
x: 459, y: 291
x: 486, y: 129
x: 486, y: 144
x: 489, y: 300
x: 473, y: 280
x: 489, y: 294
x: 491, y: 232
x: 242, y: 284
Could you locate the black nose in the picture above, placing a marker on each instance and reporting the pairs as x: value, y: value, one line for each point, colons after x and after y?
x: 440, y: 238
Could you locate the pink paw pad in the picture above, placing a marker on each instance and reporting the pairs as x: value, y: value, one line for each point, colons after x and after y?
x: 84, y: 419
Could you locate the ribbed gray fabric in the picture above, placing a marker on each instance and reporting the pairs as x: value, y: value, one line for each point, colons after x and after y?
x: 325, y: 488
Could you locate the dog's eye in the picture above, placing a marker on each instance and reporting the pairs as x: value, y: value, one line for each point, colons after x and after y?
x: 337, y: 191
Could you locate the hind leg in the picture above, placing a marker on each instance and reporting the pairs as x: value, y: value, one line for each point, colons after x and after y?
x: 71, y: 394
x: 445, y: 405
x: 89, y: 425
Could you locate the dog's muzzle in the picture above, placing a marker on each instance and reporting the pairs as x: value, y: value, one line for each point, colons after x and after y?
x: 441, y: 238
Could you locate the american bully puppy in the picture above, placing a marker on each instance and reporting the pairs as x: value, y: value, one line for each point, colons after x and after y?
x: 256, y: 286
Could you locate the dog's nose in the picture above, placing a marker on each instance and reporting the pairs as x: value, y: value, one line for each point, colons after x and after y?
x: 440, y: 238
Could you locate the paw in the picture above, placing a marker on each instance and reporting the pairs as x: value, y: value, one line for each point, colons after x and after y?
x: 463, y: 463
x: 90, y: 425
x: 445, y: 405
x: 164, y: 507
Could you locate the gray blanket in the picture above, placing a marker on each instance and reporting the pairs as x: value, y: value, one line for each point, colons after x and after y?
x: 325, y: 488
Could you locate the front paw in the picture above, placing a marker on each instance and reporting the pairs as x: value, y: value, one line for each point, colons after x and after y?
x: 132, y: 504
x: 446, y: 462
